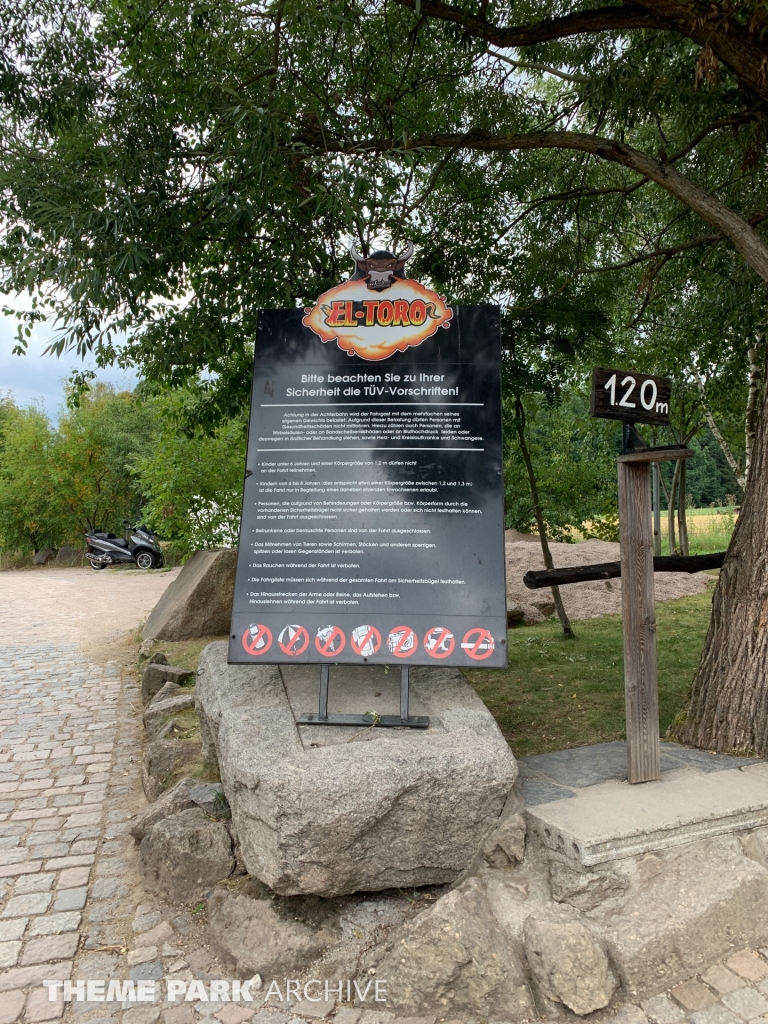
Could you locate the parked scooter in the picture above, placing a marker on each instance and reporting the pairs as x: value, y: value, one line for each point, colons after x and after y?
x: 140, y: 545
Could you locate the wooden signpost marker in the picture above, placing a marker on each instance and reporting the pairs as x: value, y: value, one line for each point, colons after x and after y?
x: 637, y: 398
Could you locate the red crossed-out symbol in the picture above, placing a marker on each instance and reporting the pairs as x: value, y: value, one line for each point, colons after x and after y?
x: 478, y: 643
x: 439, y: 642
x: 257, y: 639
x: 329, y: 641
x: 402, y: 641
x: 293, y: 640
x: 366, y: 640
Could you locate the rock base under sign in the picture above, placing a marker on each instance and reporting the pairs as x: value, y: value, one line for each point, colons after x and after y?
x: 334, y: 810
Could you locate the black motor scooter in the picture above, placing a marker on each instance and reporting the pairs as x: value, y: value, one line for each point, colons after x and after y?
x: 140, y: 545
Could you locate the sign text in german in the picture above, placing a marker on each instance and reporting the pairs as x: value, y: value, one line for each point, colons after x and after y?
x: 372, y: 527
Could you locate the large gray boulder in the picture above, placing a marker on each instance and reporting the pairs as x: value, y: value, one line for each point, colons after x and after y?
x: 346, y: 809
x: 199, y: 601
x: 185, y: 855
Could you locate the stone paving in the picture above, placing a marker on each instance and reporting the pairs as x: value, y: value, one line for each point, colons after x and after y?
x: 72, y: 907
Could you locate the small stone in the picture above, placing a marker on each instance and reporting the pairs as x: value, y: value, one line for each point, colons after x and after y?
x: 722, y: 980
x: 154, y: 936
x: 13, y: 929
x: 314, y: 1008
x: 233, y: 1013
x: 748, y: 965
x: 11, y: 1005
x: 50, y: 947
x: 143, y: 922
x: 376, y: 1017
x: 629, y: 1014
x: 41, y: 882
x: 177, y: 965
x: 345, y: 1015
x: 141, y: 955
x: 141, y: 1015
x: 693, y: 996
x: 185, y: 855
x: 661, y: 1010
x: 746, y: 1002
x: 569, y: 964
x: 171, y: 802
x: 40, y: 1007
x: 9, y: 953
x: 55, y: 924
x: 71, y: 899
x: 152, y: 970
x: 715, y: 1015
x: 34, y: 903
x: 209, y: 797
x: 183, y: 1014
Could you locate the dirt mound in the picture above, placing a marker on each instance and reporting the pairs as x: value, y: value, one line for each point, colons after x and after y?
x: 583, y: 600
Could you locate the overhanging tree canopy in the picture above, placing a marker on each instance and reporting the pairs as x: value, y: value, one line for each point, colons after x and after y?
x: 168, y: 169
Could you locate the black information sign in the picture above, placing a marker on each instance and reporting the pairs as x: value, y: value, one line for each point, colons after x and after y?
x: 629, y: 396
x: 372, y: 527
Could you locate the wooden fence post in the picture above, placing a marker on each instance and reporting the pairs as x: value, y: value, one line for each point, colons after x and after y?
x: 641, y: 684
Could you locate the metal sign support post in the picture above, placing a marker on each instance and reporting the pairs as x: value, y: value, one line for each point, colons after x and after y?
x: 403, y: 720
x: 641, y: 690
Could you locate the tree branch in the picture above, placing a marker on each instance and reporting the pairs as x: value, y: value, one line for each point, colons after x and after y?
x: 603, y: 19
x: 743, y: 237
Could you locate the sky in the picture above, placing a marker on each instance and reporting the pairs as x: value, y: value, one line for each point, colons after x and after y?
x: 38, y: 378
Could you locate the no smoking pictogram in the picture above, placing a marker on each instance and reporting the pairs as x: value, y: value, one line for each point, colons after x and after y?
x: 478, y: 643
x: 439, y: 642
x: 293, y: 640
x: 366, y: 640
x: 402, y: 641
x: 329, y: 641
x: 257, y: 639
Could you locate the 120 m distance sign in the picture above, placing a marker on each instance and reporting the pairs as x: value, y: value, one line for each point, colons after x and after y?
x: 372, y: 526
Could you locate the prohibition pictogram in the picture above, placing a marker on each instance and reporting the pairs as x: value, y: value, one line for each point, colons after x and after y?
x: 439, y: 642
x: 257, y: 639
x: 366, y: 640
x: 402, y: 641
x: 329, y: 641
x: 478, y: 643
x: 293, y: 640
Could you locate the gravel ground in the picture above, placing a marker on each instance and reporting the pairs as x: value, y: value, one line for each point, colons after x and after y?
x: 582, y: 600
x: 78, y: 604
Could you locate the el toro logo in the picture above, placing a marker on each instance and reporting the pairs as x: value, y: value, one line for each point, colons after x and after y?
x: 374, y: 327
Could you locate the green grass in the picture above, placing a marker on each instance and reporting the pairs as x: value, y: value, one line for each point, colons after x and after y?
x: 561, y: 693
x: 709, y: 530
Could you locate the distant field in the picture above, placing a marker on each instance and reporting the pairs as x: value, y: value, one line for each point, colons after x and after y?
x: 709, y: 529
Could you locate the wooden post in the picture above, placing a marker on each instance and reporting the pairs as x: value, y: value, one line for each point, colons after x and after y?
x: 641, y: 686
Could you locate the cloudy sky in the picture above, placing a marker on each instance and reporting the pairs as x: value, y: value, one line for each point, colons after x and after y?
x: 38, y: 378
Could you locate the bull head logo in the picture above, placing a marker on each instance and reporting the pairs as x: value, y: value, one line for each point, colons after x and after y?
x: 381, y: 267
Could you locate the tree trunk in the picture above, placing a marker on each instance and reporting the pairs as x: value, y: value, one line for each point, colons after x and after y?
x: 562, y: 615
x: 671, y: 510
x: 682, y: 521
x: 728, y: 707
x: 753, y: 407
x: 724, y: 446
